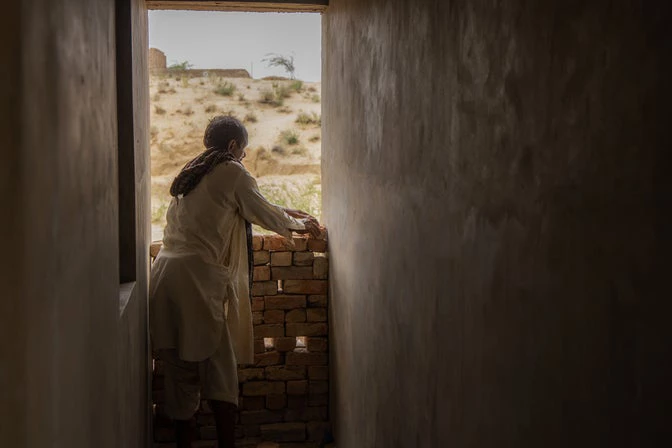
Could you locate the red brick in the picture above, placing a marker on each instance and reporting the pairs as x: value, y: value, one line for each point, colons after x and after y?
x: 319, y: 301
x: 284, y: 432
x: 296, y: 402
x: 276, y: 242
x: 318, y: 372
x: 257, y: 242
x: 257, y: 304
x: 285, y: 373
x: 276, y: 401
x: 303, y: 258
x: 250, y: 374
x: 261, y: 257
x: 285, y: 302
x: 259, y: 346
x: 318, y: 399
x: 318, y: 430
x: 317, y: 245
x: 274, y: 316
x: 257, y: 318
x: 259, y: 388
x: 305, y: 413
x: 318, y: 387
x: 283, y: 258
x: 297, y: 387
x: 298, y: 315
x: 260, y: 417
x: 316, y: 314
x: 306, y: 359
x: 305, y: 287
x: 311, y: 329
x: 253, y: 403
x: 285, y: 344
x: 264, y: 288
x: 317, y: 345
x: 292, y: 273
x: 267, y: 359
x: 269, y: 331
x: 262, y: 273
x: 321, y: 267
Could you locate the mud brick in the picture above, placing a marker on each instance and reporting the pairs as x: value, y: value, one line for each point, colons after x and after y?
x: 257, y: 242
x: 250, y: 374
x: 303, y: 258
x: 262, y: 273
x: 318, y: 372
x: 318, y: 387
x: 321, y: 267
x: 307, y: 413
x: 311, y: 329
x: 297, y: 387
x: 269, y: 331
x: 276, y: 401
x: 264, y: 288
x: 260, y: 417
x: 284, y: 302
x: 257, y: 318
x: 306, y: 359
x: 292, y: 273
x: 267, y: 359
x: 316, y: 314
x: 317, y: 301
x: 285, y: 344
x: 259, y: 346
x: 284, y: 432
x: 259, y: 388
x: 252, y: 403
x: 318, y: 399
x: 257, y: 304
x: 158, y: 396
x: 317, y: 345
x: 317, y: 245
x: 296, y: 316
x: 305, y: 287
x: 158, y: 367
x: 283, y: 258
x: 285, y: 373
x: 274, y: 316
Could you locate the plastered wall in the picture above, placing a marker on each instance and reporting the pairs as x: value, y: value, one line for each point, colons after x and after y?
x: 494, y: 188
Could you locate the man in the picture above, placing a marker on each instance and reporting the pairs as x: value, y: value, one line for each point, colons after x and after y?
x: 200, y: 317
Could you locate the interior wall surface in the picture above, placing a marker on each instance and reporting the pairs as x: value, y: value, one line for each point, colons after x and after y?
x: 495, y: 195
x: 61, y: 323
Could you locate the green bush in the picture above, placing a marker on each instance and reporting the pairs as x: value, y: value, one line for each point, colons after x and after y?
x: 225, y: 89
x: 309, y: 119
x: 290, y: 137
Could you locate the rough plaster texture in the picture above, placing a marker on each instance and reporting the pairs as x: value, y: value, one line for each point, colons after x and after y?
x: 494, y: 190
x: 74, y: 371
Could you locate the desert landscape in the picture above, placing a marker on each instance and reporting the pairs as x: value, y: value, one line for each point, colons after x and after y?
x: 283, y: 119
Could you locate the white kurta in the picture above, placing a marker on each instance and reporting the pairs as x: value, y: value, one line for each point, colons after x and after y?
x: 199, y: 280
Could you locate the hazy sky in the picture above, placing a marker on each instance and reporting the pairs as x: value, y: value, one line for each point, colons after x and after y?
x: 239, y: 40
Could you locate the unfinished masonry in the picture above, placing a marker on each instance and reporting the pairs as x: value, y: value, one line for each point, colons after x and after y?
x: 284, y: 396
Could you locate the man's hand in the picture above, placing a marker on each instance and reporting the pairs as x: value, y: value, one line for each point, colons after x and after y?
x: 298, y: 214
x: 312, y: 227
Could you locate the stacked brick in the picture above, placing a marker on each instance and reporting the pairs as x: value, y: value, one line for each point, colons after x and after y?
x: 284, y: 395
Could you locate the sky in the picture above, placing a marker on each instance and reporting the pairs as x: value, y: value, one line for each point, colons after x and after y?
x: 239, y: 40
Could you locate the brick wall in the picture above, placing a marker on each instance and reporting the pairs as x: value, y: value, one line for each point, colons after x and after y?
x: 284, y: 396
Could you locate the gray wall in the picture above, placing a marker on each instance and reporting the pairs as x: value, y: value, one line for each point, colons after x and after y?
x: 494, y: 189
x: 74, y: 369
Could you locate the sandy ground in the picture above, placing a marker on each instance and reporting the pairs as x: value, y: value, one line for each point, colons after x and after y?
x: 287, y: 171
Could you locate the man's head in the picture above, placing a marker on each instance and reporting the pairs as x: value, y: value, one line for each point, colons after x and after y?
x: 227, y: 134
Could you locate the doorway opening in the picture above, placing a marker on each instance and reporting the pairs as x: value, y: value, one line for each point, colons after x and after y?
x: 265, y: 70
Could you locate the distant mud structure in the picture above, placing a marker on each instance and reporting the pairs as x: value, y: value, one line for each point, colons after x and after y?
x: 158, y: 66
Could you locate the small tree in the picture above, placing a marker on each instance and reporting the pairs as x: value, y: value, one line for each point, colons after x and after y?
x: 176, y: 66
x: 278, y: 60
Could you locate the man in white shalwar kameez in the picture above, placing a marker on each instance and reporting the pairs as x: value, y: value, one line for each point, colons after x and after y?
x: 200, y: 316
